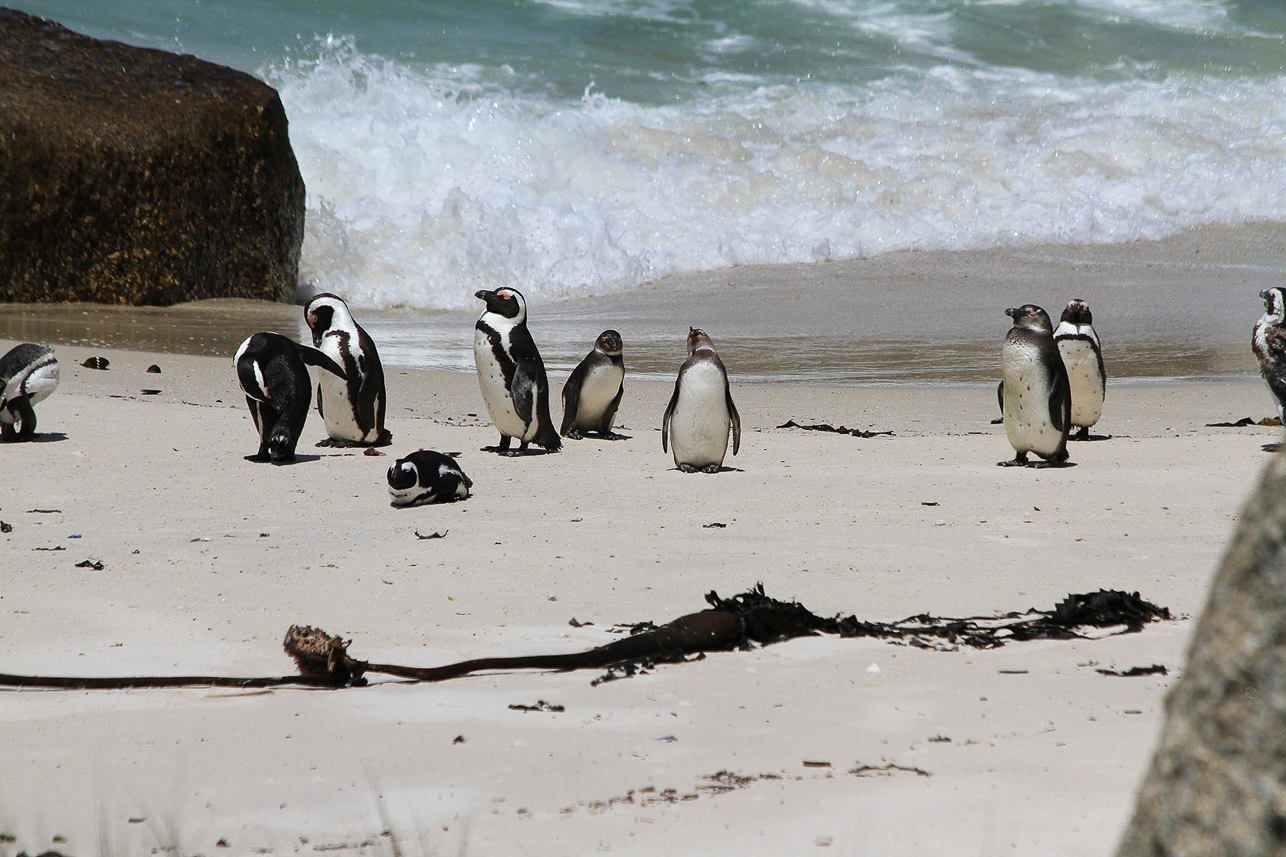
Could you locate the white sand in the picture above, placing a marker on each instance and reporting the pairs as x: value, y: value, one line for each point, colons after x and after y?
x: 209, y: 558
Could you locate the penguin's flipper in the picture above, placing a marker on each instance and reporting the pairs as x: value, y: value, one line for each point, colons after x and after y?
x: 313, y: 357
x: 1060, y: 403
x: 522, y: 389
x: 736, y: 418
x: 669, y: 414
x: 1000, y: 396
x: 250, y: 376
x: 609, y: 416
x: 319, y: 403
x: 571, y: 398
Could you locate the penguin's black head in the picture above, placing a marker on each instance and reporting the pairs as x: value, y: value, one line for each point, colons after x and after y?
x: 1077, y: 312
x: 698, y: 338
x: 402, y: 475
x: 1274, y: 304
x: 1031, y: 317
x: 610, y: 342
x: 507, y: 303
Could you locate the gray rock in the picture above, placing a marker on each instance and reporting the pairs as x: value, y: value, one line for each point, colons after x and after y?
x: 136, y: 176
x: 1217, y: 783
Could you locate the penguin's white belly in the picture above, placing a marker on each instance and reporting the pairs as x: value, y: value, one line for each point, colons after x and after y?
x: 699, y: 426
x: 500, y: 406
x: 1027, y: 387
x: 337, y: 409
x: 597, y: 393
x: 1085, y: 380
x: 36, y: 384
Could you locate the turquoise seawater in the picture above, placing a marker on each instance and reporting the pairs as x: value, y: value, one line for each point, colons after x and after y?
x: 570, y: 147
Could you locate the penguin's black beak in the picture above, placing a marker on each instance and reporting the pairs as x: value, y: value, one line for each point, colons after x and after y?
x: 1013, y: 312
x: 482, y: 294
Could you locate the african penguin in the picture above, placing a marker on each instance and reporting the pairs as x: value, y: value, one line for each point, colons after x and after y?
x: 511, y: 374
x: 1037, y: 397
x: 1269, y: 345
x: 593, y: 391
x: 701, y: 410
x: 353, y: 406
x: 1078, y: 344
x: 274, y: 377
x: 28, y: 374
x: 426, y: 477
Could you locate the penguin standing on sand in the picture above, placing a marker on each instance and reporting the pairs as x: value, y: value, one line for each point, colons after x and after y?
x: 701, y: 411
x: 1037, y: 398
x: 426, y: 477
x: 593, y: 391
x: 352, y: 406
x: 1082, y: 355
x: 28, y: 374
x: 1269, y: 345
x: 274, y: 377
x: 511, y: 374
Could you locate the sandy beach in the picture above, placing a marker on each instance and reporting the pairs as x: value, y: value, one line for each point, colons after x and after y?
x: 853, y: 746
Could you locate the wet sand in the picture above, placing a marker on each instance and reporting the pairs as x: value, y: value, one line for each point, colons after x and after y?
x: 1178, y: 309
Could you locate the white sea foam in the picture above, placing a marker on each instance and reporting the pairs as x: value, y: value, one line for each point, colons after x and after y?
x: 424, y: 186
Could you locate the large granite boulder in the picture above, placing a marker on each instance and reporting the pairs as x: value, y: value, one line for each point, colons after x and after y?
x: 137, y: 176
x: 1217, y: 783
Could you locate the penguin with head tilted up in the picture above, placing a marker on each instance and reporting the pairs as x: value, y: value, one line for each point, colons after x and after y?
x: 593, y: 391
x: 511, y: 374
x: 701, y: 412
x: 28, y: 374
x: 1078, y: 344
x: 1037, y: 398
x: 273, y: 372
x: 353, y: 406
x: 1269, y: 345
x: 426, y: 477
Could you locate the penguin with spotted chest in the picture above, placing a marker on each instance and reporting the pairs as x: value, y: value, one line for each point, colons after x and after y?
x: 353, y: 406
x: 701, y: 412
x: 511, y: 374
x: 1036, y: 394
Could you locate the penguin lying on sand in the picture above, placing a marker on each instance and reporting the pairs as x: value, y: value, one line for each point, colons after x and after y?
x: 511, y: 374
x: 1082, y: 355
x: 593, y: 391
x: 426, y: 477
x: 1269, y: 345
x: 1036, y: 397
x: 701, y: 411
x: 28, y: 374
x: 274, y: 377
x: 352, y: 406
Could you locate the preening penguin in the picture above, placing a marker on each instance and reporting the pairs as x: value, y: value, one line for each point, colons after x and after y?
x: 274, y: 377
x: 352, y: 406
x: 426, y: 477
x: 701, y: 411
x: 1036, y: 398
x: 593, y: 391
x: 511, y: 374
x: 1078, y: 344
x: 28, y: 374
x: 1269, y: 345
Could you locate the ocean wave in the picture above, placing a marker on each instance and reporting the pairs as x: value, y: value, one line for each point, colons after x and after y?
x: 425, y: 185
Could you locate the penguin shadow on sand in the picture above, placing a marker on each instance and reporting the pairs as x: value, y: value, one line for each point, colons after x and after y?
x: 41, y: 437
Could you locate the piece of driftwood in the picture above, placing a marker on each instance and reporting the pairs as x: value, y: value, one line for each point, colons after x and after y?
x: 748, y: 619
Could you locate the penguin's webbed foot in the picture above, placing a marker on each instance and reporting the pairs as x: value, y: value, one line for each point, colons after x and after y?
x: 501, y: 448
x: 712, y: 468
x: 611, y: 435
x: 1082, y: 434
x: 1019, y: 460
x: 687, y: 468
x: 574, y: 434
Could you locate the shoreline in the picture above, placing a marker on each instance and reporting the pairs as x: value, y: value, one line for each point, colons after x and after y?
x: 208, y: 558
x: 1178, y: 309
